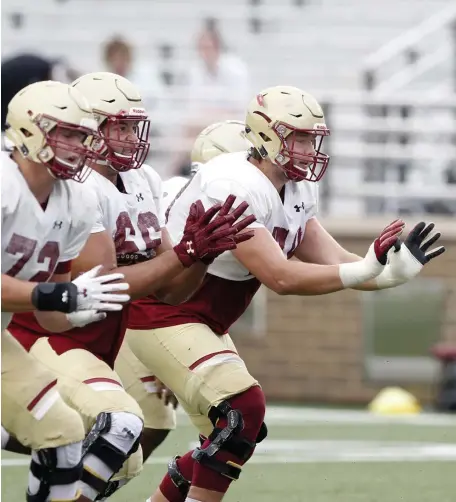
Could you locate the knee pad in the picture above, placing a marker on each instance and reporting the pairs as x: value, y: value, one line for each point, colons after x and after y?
x: 55, y: 473
x: 111, y: 441
x: 238, y: 428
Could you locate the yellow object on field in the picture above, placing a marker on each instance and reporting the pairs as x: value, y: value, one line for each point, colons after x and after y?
x: 394, y: 401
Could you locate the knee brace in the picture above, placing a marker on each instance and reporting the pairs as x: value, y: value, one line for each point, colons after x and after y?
x: 55, y: 474
x: 231, y: 438
x: 110, y: 442
x: 176, y: 476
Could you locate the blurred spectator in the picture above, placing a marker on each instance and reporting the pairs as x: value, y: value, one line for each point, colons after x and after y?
x: 217, y: 87
x: 218, y: 82
x: 118, y: 56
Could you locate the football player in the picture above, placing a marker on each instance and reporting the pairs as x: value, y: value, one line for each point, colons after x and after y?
x: 128, y: 236
x: 47, y: 217
x: 189, y: 350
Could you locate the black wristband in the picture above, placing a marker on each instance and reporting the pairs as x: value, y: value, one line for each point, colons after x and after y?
x: 55, y: 296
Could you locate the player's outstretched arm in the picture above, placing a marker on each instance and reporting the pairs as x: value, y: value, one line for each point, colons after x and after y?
x: 207, y: 234
x: 263, y: 257
x: 405, y: 261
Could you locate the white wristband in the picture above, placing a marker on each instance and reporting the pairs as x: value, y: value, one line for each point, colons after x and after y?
x: 355, y: 273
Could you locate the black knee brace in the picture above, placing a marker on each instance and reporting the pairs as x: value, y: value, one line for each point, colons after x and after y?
x: 49, y: 474
x: 227, y: 439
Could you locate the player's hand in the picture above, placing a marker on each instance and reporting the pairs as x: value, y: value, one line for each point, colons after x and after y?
x: 407, y: 258
x: 241, y: 225
x: 373, y: 264
x: 166, y: 394
x: 387, y: 239
x: 415, y: 248
x: 208, y: 234
x: 96, y: 292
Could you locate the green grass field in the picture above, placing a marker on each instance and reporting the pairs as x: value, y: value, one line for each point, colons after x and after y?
x: 316, y: 455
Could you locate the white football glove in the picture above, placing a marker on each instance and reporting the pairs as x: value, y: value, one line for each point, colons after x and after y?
x: 407, y: 259
x: 95, y: 297
x: 373, y: 264
x: 94, y: 292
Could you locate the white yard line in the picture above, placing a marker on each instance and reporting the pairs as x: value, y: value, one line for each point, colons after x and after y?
x: 325, y: 451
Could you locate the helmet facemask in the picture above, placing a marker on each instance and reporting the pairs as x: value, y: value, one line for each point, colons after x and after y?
x: 298, y: 166
x: 64, y: 159
x: 122, y: 154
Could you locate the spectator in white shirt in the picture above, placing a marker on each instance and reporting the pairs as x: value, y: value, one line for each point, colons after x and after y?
x: 217, y: 89
x: 218, y: 83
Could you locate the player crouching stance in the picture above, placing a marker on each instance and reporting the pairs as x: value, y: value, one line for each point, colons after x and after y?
x: 190, y: 350
x: 46, y: 219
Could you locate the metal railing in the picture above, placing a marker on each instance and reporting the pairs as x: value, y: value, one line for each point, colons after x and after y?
x: 413, y: 53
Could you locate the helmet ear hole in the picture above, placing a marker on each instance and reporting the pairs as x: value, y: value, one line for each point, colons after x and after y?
x: 264, y: 137
x: 26, y: 132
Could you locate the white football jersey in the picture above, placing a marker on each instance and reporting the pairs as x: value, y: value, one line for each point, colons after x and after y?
x: 132, y: 217
x: 231, y: 173
x: 35, y: 240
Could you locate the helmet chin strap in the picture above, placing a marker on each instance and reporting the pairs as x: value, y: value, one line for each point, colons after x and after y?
x: 49, y: 170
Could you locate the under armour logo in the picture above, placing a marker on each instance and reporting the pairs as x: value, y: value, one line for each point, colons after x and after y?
x: 139, y: 196
x: 299, y: 207
x: 190, y: 249
x: 58, y: 224
x: 65, y: 297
